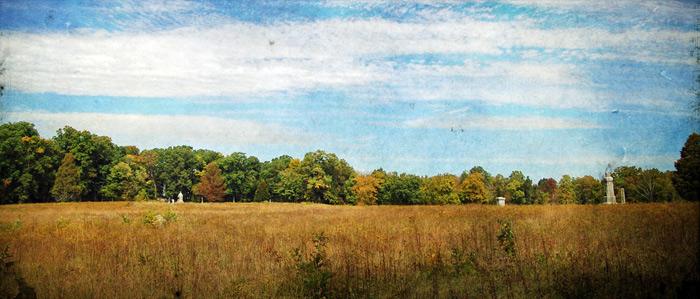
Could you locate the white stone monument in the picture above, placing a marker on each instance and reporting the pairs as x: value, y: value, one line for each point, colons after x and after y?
x: 179, y: 198
x: 610, y: 189
x: 622, y: 195
x: 501, y: 201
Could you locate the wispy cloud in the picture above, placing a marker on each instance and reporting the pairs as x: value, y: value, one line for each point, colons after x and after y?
x: 165, y: 130
x: 499, y: 123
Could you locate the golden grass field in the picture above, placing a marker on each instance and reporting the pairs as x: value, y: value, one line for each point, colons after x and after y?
x: 126, y: 250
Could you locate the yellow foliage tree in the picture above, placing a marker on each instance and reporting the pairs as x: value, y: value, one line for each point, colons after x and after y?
x: 474, y: 190
x: 366, y: 189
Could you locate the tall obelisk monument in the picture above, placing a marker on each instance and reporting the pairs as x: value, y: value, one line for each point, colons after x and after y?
x: 609, y: 190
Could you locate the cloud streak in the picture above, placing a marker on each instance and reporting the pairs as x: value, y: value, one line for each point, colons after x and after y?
x: 499, y: 123
x: 167, y: 130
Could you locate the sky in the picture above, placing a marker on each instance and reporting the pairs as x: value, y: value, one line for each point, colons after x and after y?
x: 427, y: 87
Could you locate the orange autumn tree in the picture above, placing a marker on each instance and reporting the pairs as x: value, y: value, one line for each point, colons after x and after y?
x: 211, y: 184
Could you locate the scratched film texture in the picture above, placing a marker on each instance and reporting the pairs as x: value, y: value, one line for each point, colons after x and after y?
x: 546, y: 87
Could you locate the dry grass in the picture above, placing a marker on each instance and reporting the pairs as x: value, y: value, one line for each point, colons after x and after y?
x: 105, y: 250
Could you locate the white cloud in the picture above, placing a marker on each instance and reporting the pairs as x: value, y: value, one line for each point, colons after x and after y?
x: 651, y: 8
x: 499, y: 123
x: 248, y: 59
x: 166, y: 130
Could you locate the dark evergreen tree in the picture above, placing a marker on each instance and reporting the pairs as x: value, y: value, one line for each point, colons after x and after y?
x: 686, y: 179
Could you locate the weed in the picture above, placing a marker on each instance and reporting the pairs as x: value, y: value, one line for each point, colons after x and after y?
x: 62, y: 222
x: 5, y: 256
x: 125, y: 219
x: 154, y: 219
x: 461, y: 262
x: 12, y: 226
x: 506, y: 237
x: 170, y: 216
x: 313, y: 270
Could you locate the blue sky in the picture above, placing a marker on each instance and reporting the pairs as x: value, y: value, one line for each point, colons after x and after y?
x: 547, y: 87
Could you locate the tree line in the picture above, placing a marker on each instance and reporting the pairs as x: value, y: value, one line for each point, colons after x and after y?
x: 82, y: 166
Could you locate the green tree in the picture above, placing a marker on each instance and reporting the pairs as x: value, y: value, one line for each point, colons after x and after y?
x: 439, y: 189
x: 686, y: 178
x: 290, y: 186
x: 67, y: 185
x: 654, y: 186
x: 318, y: 185
x: 262, y: 193
x: 327, y: 178
x: 176, y: 171
x: 399, y: 189
x: 566, y: 193
x: 271, y: 172
x: 588, y: 190
x: 120, y: 183
x: 128, y: 150
x: 528, y: 191
x: 515, y: 187
x: 485, y: 174
x: 128, y: 181
x: 148, y: 161
x: 211, y: 185
x: 94, y: 156
x: 240, y: 174
x: 627, y: 177
x: 498, y: 185
x: 473, y: 189
x: 27, y: 165
x: 205, y: 156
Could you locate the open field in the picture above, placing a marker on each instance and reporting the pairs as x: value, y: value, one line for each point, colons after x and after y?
x: 154, y: 250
